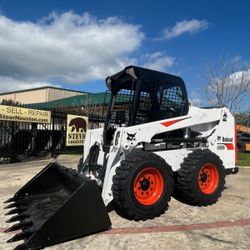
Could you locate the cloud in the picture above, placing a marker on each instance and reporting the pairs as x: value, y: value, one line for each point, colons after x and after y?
x: 195, y: 101
x: 12, y: 84
x: 158, y: 61
x: 68, y: 47
x: 231, y: 90
x: 185, y: 26
x: 234, y: 80
x: 196, y: 98
x: 239, y: 77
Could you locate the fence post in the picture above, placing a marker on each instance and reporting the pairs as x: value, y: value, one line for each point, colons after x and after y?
x: 12, y: 146
x: 53, y: 133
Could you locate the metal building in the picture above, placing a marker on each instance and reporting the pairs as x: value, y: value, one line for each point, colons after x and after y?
x: 39, y: 95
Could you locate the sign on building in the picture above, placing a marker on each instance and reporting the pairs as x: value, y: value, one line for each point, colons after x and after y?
x: 76, y: 130
x: 18, y: 114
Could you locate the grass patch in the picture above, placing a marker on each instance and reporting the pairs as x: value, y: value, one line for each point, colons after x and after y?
x: 243, y: 159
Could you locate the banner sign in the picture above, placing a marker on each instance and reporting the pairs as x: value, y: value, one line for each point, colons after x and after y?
x: 76, y: 130
x: 18, y: 114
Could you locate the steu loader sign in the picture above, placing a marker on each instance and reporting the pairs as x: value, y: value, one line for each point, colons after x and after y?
x: 76, y: 130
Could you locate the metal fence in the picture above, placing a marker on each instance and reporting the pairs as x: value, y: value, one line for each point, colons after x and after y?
x: 23, y: 140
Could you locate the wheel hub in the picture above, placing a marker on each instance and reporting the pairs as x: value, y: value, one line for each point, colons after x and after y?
x: 203, y: 177
x: 148, y: 186
x: 208, y: 178
x: 145, y: 184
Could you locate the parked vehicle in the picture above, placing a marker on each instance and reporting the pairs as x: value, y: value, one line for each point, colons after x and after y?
x: 154, y: 144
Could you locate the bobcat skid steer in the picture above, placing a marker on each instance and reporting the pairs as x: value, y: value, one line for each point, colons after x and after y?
x: 153, y: 145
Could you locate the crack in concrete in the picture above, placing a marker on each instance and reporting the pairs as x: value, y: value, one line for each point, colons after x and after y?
x: 216, y: 239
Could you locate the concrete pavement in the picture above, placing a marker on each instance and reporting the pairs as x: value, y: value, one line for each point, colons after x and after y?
x: 225, y: 225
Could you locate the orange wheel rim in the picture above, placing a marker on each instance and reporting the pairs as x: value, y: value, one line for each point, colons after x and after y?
x: 208, y: 178
x: 148, y: 186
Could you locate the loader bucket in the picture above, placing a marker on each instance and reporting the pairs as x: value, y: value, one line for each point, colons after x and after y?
x: 56, y: 205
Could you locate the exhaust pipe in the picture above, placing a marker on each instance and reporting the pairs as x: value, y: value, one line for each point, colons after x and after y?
x: 56, y: 205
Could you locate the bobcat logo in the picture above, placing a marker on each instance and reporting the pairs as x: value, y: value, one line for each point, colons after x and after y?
x: 218, y: 138
x: 78, y: 125
x: 131, y: 137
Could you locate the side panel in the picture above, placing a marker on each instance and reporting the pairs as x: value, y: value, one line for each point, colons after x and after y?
x: 174, y: 157
x: 223, y: 141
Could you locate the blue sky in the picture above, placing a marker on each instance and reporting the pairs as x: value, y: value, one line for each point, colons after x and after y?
x: 179, y: 37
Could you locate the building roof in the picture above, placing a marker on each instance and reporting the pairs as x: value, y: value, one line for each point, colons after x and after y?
x: 90, y: 99
x: 39, y: 88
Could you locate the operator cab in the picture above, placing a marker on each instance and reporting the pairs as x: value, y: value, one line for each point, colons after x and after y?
x: 140, y: 95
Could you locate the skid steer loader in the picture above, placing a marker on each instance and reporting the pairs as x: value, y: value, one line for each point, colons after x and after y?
x: 153, y: 145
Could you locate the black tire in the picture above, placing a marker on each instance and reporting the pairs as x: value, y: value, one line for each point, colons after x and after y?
x: 127, y: 175
x: 241, y: 146
x: 189, y: 180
